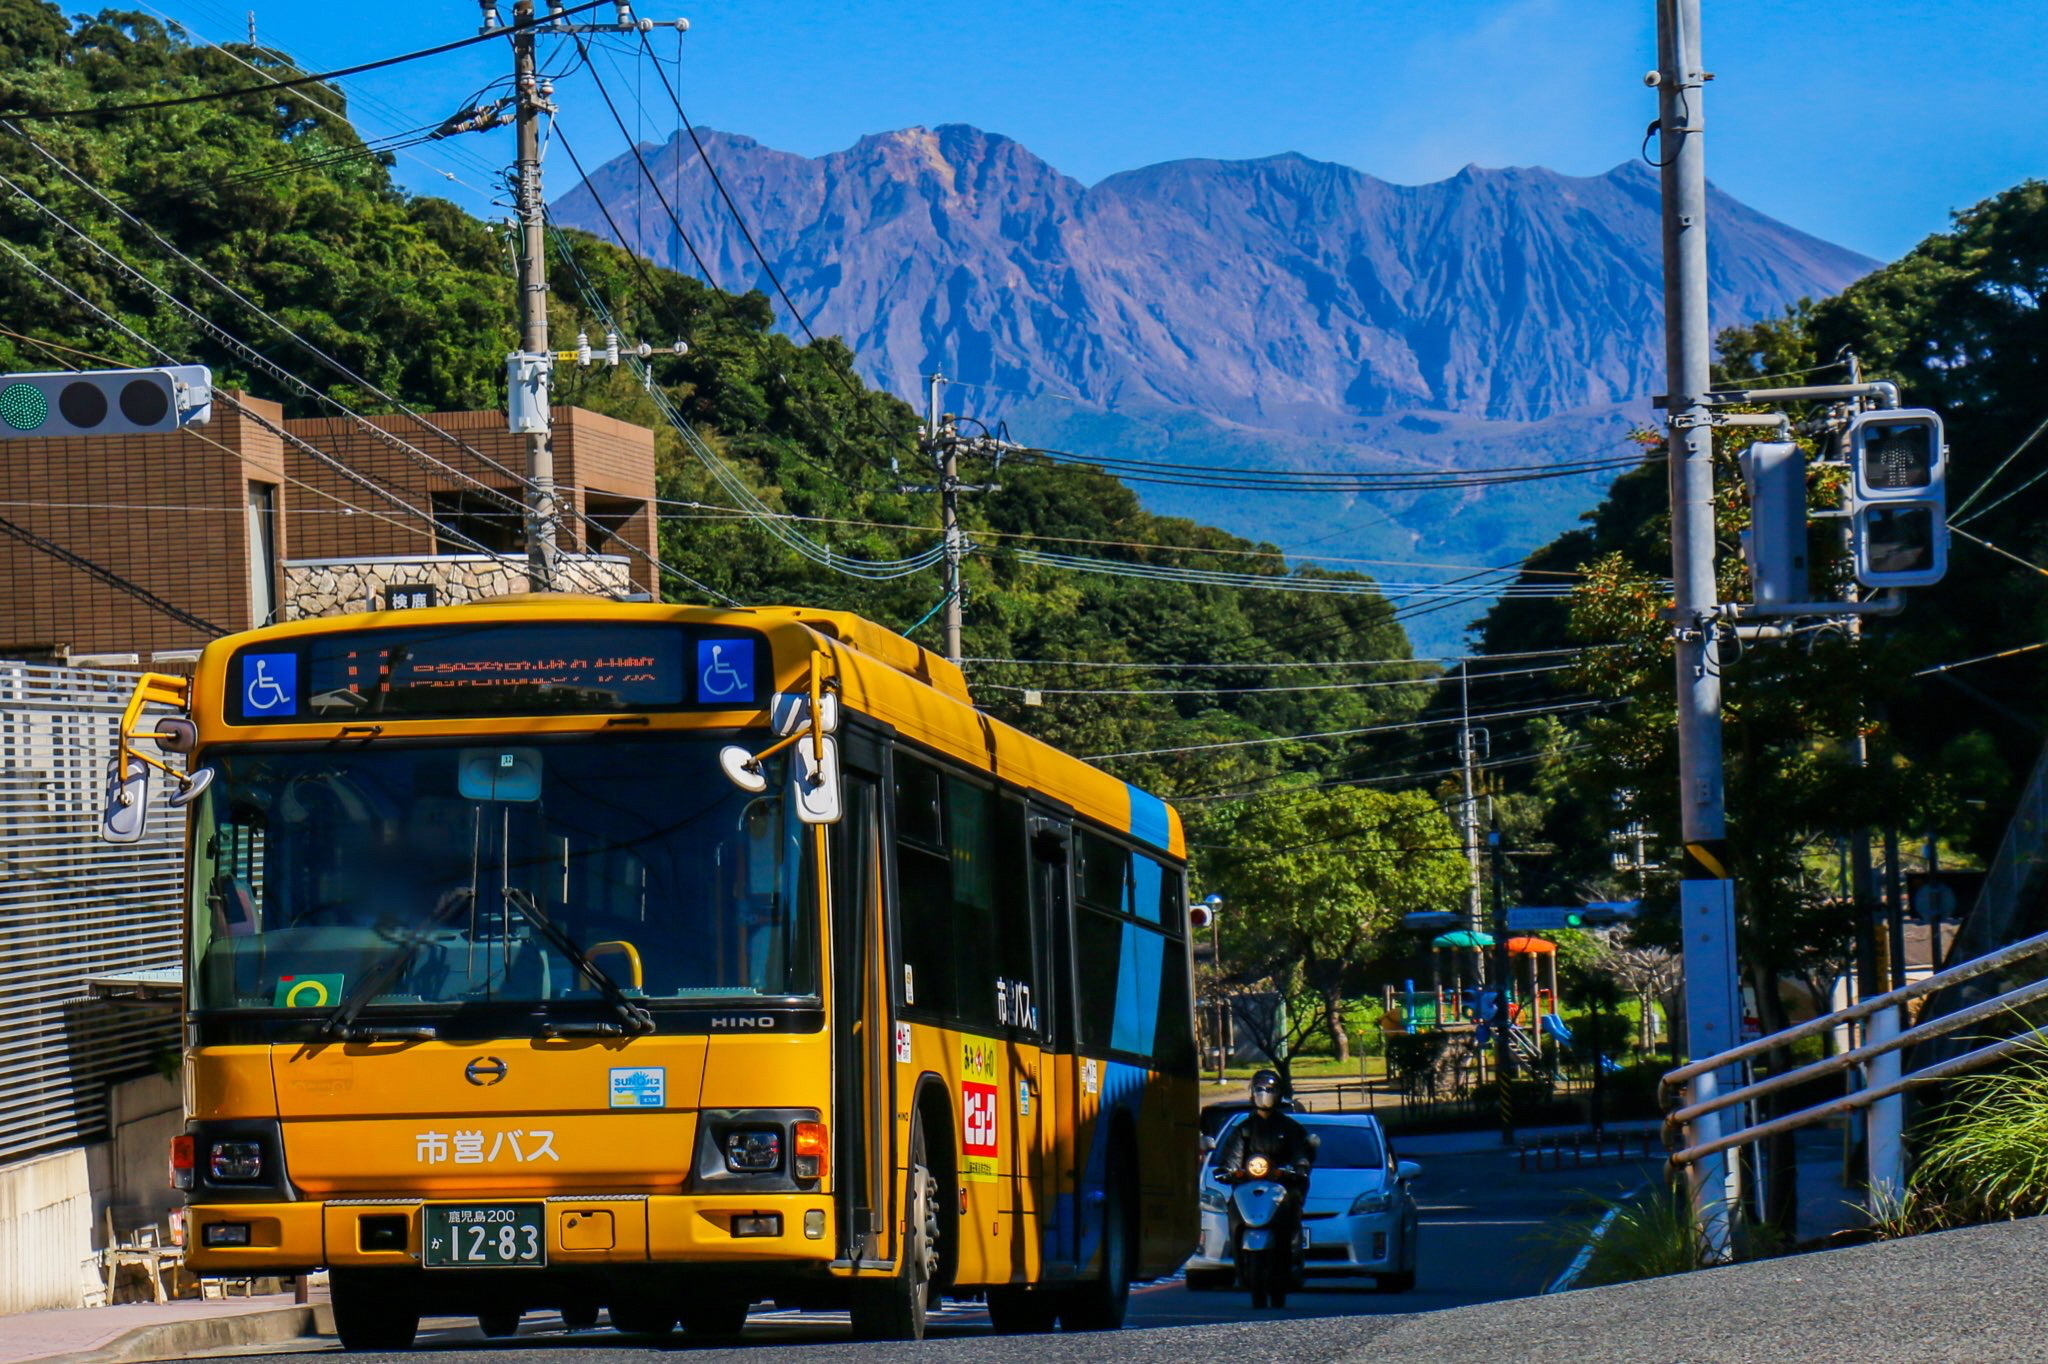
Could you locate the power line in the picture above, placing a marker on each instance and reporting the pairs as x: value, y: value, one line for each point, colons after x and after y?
x: 109, y: 577
x: 1248, y: 691
x: 320, y: 78
x: 1303, y: 663
x: 1348, y: 733
x: 1316, y: 560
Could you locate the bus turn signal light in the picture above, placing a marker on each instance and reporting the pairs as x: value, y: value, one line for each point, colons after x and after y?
x: 811, y: 1150
x: 181, y: 1161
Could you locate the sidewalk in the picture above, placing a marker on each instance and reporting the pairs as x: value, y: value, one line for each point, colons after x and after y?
x: 160, y: 1330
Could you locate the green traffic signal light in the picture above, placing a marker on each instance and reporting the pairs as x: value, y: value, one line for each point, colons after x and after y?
x: 1574, y: 920
x: 23, y: 407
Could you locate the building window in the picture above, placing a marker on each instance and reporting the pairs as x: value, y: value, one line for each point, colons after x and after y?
x: 263, y: 553
x: 607, y: 529
x: 465, y: 520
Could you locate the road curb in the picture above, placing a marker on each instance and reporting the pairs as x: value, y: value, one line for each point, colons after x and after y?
x: 179, y: 1339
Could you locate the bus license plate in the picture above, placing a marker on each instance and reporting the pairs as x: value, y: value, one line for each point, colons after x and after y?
x: 486, y: 1236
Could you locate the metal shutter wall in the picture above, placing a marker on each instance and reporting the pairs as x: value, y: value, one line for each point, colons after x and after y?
x: 73, y: 907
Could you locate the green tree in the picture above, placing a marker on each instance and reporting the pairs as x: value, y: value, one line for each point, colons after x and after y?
x: 1316, y: 882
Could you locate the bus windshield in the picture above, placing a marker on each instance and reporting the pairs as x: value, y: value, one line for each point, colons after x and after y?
x: 458, y: 873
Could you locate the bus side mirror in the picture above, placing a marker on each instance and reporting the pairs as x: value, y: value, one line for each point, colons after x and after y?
x: 814, y: 781
x: 127, y: 809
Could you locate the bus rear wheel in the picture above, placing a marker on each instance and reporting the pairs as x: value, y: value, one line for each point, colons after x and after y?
x: 1021, y: 1311
x: 1100, y: 1305
x: 709, y: 1320
x: 374, y: 1311
x: 897, y: 1308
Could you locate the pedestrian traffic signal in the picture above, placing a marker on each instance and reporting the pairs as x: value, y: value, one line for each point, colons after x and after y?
x: 1898, y: 497
x: 106, y: 402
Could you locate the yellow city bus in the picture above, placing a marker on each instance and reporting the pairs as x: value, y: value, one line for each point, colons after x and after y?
x: 560, y: 953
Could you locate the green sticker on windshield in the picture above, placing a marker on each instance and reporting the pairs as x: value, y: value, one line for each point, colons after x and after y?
x: 308, y: 992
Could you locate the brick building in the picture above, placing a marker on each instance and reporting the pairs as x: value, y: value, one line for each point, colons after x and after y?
x: 152, y: 545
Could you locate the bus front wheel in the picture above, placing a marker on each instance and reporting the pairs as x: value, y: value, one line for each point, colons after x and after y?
x: 373, y: 1311
x: 896, y: 1308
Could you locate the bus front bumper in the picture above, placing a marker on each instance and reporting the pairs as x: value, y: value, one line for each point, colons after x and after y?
x: 254, y: 1238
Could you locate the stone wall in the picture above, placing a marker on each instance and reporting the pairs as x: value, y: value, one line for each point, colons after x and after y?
x: 334, y: 587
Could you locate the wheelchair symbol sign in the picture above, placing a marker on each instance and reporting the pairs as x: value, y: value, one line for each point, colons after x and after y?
x: 270, y: 684
x: 725, y: 671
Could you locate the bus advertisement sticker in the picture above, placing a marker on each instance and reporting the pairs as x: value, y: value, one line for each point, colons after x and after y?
x: 639, y: 1087
x: 978, y: 1132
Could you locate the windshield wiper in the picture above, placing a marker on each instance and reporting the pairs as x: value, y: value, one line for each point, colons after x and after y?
x: 342, y: 1022
x: 635, y: 1019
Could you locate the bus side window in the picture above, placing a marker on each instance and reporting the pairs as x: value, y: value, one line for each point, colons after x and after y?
x: 924, y: 879
x: 1018, y: 1000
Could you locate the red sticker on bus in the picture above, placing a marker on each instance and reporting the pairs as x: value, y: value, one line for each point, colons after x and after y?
x: 978, y: 1130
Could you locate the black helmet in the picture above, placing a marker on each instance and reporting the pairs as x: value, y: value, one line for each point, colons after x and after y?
x: 1266, y: 1090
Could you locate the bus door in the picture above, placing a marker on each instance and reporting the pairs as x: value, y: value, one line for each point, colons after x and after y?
x: 1021, y: 1009
x: 1055, y: 1103
x: 862, y: 1130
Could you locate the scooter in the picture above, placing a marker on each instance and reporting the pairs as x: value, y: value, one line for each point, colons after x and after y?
x: 1267, y: 1257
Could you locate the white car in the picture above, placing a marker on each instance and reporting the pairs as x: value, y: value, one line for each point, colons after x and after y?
x: 1359, y: 1220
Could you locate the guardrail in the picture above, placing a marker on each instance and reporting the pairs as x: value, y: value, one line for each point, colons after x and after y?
x: 1884, y: 1085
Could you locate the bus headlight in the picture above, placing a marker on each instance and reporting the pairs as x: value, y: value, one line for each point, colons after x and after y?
x: 236, y: 1160
x: 753, y: 1150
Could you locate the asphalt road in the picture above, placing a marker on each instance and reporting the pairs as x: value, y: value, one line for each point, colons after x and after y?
x: 1489, y: 1232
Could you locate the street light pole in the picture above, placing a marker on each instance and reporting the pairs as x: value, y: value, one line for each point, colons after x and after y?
x: 1214, y: 904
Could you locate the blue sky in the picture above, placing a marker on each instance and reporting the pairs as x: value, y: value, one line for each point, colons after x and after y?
x: 1865, y: 124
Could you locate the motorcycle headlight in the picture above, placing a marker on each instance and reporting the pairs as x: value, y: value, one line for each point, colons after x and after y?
x: 1257, y: 1167
x: 1214, y: 1199
x: 1369, y: 1202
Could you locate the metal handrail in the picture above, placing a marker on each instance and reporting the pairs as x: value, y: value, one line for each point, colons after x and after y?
x: 1829, y: 1065
x: 1883, y: 1041
x: 1954, y: 975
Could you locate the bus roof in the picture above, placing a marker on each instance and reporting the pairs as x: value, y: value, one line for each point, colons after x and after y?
x: 881, y: 674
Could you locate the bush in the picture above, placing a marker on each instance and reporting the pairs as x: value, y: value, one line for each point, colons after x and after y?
x: 1987, y: 1154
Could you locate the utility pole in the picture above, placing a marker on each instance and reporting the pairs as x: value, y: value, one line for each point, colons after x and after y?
x: 1706, y: 892
x: 1502, y: 1022
x: 1468, y: 820
x: 541, y: 509
x: 530, y: 369
x: 943, y: 445
x: 948, y: 451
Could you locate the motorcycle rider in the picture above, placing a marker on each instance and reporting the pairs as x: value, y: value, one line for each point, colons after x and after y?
x: 1269, y: 1132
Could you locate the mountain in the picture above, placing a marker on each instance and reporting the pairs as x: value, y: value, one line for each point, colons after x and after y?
x: 1305, y: 314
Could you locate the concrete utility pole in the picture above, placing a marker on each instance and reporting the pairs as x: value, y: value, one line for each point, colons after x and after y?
x: 542, y: 512
x: 1706, y: 892
x: 1468, y: 820
x: 947, y: 447
x: 530, y: 369
x: 943, y: 445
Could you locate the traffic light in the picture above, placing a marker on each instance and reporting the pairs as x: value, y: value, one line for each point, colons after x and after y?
x: 106, y: 402
x: 1774, y: 546
x: 1605, y: 914
x: 1898, y: 497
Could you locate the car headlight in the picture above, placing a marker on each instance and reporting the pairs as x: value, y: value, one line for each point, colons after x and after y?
x: 1214, y: 1199
x: 1369, y: 1202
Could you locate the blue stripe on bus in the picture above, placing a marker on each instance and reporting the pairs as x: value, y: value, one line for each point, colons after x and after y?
x: 1148, y: 819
